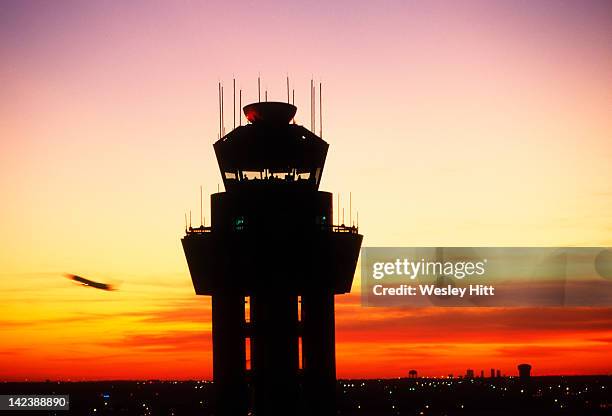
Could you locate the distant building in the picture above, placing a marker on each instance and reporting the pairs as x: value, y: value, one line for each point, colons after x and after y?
x: 498, y: 373
x: 469, y: 373
x: 524, y: 371
x: 481, y: 373
x: 492, y: 373
x: 412, y: 374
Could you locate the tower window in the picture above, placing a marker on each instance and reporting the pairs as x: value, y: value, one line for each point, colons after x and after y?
x: 249, y: 175
x: 303, y: 176
x: 247, y: 309
x: 247, y: 350
x: 300, y: 355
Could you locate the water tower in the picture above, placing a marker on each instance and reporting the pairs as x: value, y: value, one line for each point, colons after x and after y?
x: 524, y: 371
x: 273, y: 247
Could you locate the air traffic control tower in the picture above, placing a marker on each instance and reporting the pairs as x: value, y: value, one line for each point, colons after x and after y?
x: 272, y: 260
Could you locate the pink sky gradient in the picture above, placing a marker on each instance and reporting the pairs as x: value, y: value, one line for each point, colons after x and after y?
x: 452, y: 123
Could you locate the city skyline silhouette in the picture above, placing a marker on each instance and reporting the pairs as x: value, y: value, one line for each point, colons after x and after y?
x: 465, y: 124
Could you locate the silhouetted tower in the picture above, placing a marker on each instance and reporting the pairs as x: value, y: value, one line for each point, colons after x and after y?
x: 272, y: 244
x: 524, y: 371
x: 412, y: 374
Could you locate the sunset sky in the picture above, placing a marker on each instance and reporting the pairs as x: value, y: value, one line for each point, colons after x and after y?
x: 459, y: 123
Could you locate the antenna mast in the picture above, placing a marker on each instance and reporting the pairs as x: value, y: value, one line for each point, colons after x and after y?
x: 351, y: 208
x: 293, y: 92
x: 314, y: 108
x: 320, y: 110
x: 201, y: 209
x: 338, y: 208
x: 311, y: 108
x: 220, y: 122
x: 234, y: 106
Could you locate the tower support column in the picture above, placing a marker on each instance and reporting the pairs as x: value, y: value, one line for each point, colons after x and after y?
x: 229, y: 359
x: 319, y: 353
x: 274, y: 353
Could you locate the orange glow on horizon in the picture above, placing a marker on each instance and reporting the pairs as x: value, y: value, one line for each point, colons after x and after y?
x: 466, y: 124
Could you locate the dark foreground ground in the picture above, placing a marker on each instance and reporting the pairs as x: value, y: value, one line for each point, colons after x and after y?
x: 576, y: 396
